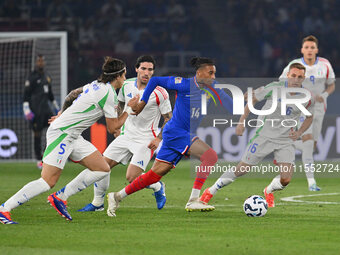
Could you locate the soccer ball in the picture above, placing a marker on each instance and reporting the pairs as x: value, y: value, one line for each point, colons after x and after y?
x: 255, y: 206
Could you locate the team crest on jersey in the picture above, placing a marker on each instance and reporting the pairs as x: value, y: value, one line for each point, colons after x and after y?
x: 178, y: 80
x: 48, y: 79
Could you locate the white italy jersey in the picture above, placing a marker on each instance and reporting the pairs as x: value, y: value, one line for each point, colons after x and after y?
x: 144, y: 125
x: 274, y: 130
x: 96, y: 100
x: 317, y: 76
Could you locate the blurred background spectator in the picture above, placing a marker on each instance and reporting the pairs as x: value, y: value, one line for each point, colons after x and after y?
x: 247, y: 38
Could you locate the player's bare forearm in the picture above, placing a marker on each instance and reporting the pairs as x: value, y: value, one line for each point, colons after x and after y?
x: 245, y: 115
x: 71, y: 97
x: 139, y: 107
x: 114, y: 124
x: 305, y: 125
x: 167, y: 117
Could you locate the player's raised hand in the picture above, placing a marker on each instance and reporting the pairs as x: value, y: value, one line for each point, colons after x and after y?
x: 239, y: 130
x: 319, y: 99
x: 133, y: 102
x: 294, y: 135
x: 153, y: 145
x: 139, y: 107
x: 50, y: 120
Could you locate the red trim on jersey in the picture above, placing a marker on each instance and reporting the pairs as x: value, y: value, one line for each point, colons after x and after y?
x: 309, y: 103
x: 153, y: 131
x: 323, y: 60
x: 157, y: 98
x: 152, y: 152
x: 163, y: 92
x: 327, y: 72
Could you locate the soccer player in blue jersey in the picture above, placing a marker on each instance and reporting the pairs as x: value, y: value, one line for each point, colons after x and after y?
x: 179, y: 136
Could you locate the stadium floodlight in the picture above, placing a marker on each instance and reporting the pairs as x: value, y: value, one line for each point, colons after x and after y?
x: 18, y: 51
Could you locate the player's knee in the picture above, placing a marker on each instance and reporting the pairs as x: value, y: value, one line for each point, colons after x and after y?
x: 285, y: 181
x: 105, y: 168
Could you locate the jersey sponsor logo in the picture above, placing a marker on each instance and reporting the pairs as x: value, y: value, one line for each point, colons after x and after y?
x: 129, y: 95
x: 141, y: 162
x: 178, y: 80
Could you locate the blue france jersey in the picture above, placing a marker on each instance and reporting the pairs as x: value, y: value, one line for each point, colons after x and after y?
x: 187, y: 111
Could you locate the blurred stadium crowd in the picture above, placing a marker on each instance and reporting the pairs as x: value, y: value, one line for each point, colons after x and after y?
x: 267, y: 32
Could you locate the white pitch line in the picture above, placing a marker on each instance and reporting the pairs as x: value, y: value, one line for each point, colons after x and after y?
x: 293, y: 199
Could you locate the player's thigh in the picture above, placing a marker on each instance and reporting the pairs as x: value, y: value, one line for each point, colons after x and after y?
x: 198, y: 147
x: 95, y: 162
x: 161, y: 168
x: 257, y: 150
x: 111, y: 162
x: 118, y: 150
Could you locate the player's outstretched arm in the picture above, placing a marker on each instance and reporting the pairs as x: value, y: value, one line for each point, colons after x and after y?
x: 71, y: 97
x: 113, y: 124
x: 294, y: 135
x: 240, y: 127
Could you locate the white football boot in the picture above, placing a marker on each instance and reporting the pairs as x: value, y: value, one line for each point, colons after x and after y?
x: 195, y: 205
x: 113, y: 204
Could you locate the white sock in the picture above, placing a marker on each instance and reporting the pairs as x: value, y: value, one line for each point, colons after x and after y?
x: 298, y: 145
x: 155, y: 186
x: 99, y: 189
x: 122, y: 193
x: 226, y: 178
x: 82, y: 181
x: 195, y: 193
x: 307, y: 160
x: 27, y: 192
x: 275, y: 185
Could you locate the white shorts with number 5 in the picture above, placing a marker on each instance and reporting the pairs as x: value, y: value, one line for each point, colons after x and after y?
x: 61, y: 146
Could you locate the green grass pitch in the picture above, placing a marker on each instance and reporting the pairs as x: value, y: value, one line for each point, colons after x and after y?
x: 139, y: 228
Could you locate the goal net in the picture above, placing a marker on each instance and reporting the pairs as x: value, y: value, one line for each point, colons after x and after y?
x: 18, y: 53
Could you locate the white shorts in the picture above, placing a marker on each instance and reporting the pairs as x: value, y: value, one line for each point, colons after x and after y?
x: 316, y: 126
x: 123, y: 149
x: 260, y: 147
x: 61, y: 146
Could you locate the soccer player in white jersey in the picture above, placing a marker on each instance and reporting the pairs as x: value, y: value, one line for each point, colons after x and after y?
x: 64, y: 140
x: 272, y: 136
x: 137, y: 139
x: 320, y: 80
